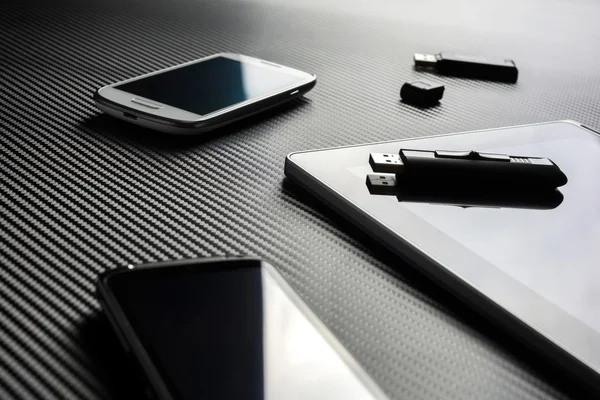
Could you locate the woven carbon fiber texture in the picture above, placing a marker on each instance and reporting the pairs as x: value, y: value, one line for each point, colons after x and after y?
x: 81, y: 193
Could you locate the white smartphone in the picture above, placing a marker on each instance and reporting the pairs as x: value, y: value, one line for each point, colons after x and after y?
x: 204, y: 94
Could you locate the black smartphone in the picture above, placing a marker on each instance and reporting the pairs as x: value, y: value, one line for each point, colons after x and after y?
x: 227, y: 328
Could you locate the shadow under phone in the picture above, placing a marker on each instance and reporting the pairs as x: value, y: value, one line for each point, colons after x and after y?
x: 118, y: 130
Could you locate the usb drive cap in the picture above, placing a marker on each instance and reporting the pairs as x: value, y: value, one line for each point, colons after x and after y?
x: 422, y: 93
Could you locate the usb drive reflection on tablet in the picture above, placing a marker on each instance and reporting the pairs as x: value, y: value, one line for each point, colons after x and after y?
x: 382, y: 183
x: 387, y: 184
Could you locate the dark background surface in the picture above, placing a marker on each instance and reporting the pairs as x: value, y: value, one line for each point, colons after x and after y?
x: 81, y: 193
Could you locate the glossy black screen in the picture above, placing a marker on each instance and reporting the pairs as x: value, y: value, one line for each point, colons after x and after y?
x: 231, y: 332
x: 208, y: 86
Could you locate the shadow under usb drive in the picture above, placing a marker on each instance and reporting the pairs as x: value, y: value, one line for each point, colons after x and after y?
x: 546, y: 199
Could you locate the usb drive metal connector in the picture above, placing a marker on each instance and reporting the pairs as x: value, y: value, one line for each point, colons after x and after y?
x: 425, y: 60
x: 386, y: 162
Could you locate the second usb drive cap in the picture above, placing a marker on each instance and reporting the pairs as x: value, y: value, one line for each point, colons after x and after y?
x: 422, y: 93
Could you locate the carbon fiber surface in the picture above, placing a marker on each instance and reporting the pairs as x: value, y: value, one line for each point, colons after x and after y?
x: 81, y: 193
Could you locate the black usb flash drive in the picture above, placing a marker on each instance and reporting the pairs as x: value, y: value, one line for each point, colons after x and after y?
x: 492, y: 68
x: 469, y: 169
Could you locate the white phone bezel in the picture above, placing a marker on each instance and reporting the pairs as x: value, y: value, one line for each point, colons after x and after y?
x: 172, y: 114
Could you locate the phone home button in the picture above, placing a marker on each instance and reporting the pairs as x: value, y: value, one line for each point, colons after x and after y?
x: 146, y: 103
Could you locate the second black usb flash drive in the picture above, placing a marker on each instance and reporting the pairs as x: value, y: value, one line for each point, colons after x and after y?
x: 491, y: 68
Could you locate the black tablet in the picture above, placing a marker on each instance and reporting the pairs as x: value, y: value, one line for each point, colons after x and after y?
x: 533, y: 270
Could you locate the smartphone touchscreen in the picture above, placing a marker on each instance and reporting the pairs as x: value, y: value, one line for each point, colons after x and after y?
x: 213, y: 84
x: 234, y: 330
